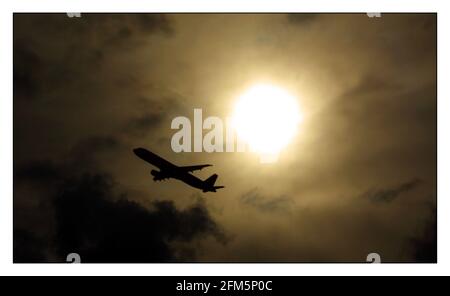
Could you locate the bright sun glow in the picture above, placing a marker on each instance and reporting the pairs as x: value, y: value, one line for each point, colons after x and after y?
x: 266, y: 117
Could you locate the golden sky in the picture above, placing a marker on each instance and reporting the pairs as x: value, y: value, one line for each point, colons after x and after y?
x: 358, y: 177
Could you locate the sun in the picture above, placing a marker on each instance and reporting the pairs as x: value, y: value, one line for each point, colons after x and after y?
x: 266, y: 117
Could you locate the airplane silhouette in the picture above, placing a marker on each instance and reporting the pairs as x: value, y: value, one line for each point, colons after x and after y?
x: 169, y: 170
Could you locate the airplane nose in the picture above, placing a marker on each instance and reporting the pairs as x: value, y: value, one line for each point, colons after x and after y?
x: 137, y: 151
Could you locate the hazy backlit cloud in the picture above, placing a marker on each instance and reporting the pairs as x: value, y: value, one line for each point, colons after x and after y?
x: 345, y: 103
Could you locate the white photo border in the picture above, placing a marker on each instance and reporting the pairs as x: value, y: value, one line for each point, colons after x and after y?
x: 230, y: 269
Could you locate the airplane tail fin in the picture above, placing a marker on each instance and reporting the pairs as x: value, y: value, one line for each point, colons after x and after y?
x: 209, y: 184
x: 211, y: 180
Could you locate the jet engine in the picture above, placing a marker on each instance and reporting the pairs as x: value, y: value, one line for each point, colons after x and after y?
x: 157, y: 175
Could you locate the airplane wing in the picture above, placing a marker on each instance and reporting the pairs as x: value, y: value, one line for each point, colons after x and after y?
x: 194, y: 167
x: 153, y: 159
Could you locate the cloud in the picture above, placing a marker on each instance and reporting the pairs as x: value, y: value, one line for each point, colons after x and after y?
x: 102, y: 230
x: 39, y: 171
x: 371, y: 83
x: 390, y: 194
x: 106, y: 29
x: 25, y: 80
x: 65, y: 51
x: 85, y: 153
x: 88, y: 90
x: 424, y: 245
x: 27, y: 248
x: 91, y: 216
x: 265, y: 203
x: 302, y: 18
x: 145, y: 123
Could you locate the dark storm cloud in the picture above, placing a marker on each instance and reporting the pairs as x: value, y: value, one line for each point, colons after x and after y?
x: 104, y: 226
x: 424, y: 245
x: 398, y: 100
x: 390, y: 194
x: 63, y: 63
x: 27, y: 248
x: 27, y: 67
x: 109, y: 28
x: 120, y: 29
x: 266, y: 203
x: 145, y: 123
x: 421, y: 46
x: 38, y: 171
x: 302, y: 18
x: 95, y: 144
x: 148, y: 23
x: 84, y: 154
x: 154, y: 114
x: 57, y: 49
x: 371, y: 84
x: 101, y: 230
x: 403, y: 116
x: 93, y: 217
x: 88, y: 90
x: 76, y: 78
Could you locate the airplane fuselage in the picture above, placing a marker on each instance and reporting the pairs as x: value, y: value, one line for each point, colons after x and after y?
x: 169, y: 170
